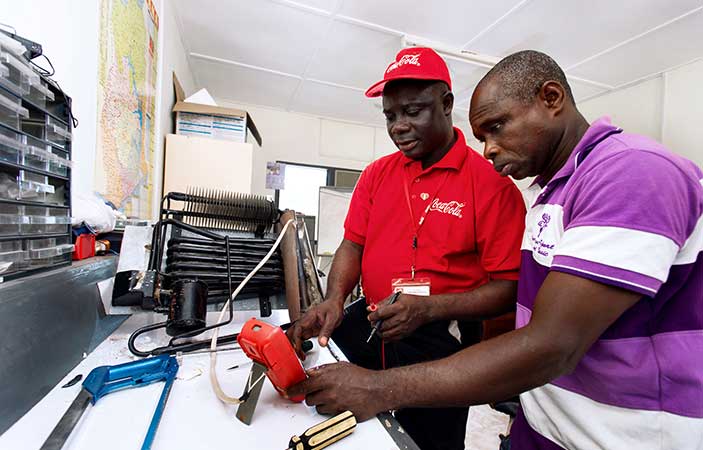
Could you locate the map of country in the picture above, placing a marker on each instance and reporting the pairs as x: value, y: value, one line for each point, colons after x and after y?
x: 127, y: 75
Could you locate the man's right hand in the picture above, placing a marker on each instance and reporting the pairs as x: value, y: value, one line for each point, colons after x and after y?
x: 320, y: 320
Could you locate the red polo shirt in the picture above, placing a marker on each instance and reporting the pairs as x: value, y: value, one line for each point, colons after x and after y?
x: 471, y: 233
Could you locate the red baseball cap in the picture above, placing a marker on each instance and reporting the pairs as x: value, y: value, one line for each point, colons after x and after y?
x: 420, y: 63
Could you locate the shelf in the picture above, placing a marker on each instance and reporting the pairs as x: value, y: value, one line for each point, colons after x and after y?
x: 33, y: 170
x: 31, y: 203
x: 66, y: 149
x: 26, y: 272
x: 16, y: 237
x: 37, y: 107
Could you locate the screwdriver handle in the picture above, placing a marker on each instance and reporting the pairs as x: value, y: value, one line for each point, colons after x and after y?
x: 324, y: 434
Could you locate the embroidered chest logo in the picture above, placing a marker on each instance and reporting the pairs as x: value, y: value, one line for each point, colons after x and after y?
x: 452, y: 207
x: 542, y: 224
x: 405, y: 59
x: 538, y: 244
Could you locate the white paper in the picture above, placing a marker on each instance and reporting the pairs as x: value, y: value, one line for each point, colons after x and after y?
x: 133, y: 255
x: 202, y: 97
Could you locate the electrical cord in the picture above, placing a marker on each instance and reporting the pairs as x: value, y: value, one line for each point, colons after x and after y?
x: 43, y: 71
x: 216, y: 387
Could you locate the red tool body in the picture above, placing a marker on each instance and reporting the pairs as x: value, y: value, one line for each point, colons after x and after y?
x: 268, y: 345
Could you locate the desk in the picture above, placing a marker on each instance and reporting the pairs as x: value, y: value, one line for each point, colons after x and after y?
x: 193, y: 418
x: 48, y: 321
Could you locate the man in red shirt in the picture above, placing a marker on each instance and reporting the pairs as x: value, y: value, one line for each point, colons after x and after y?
x: 433, y: 221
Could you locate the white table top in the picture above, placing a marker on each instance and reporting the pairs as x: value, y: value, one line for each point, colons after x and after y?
x: 193, y: 417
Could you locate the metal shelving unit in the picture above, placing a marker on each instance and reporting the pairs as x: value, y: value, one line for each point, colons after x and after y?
x: 35, y: 168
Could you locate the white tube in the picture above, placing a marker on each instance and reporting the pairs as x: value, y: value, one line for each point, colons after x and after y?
x: 216, y: 332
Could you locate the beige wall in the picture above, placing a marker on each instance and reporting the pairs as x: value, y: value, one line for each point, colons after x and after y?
x: 173, y: 59
x: 668, y: 108
x: 682, y: 126
x: 303, y: 138
x: 636, y: 109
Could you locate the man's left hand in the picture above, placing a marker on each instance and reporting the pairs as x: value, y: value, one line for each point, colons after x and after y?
x: 401, y: 318
x: 338, y: 387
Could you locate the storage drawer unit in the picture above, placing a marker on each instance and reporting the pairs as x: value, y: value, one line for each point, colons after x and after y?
x: 35, y: 154
x: 20, y: 77
x: 59, y: 164
x: 40, y: 94
x: 11, y: 146
x: 40, y: 220
x: 11, y: 110
x: 11, y: 219
x: 56, y: 132
x: 12, y: 257
x: 35, y: 168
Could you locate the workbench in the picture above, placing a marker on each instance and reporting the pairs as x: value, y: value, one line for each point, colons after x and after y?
x: 193, y: 418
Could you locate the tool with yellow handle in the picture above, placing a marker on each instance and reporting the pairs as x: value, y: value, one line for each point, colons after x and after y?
x: 325, y: 433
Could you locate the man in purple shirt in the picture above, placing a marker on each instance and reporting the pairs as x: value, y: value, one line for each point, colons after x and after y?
x: 608, y: 350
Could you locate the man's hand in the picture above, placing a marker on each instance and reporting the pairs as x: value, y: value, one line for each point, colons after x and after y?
x: 338, y: 387
x: 401, y: 318
x: 320, y: 320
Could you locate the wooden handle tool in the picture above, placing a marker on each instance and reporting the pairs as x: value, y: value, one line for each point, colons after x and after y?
x: 324, y: 434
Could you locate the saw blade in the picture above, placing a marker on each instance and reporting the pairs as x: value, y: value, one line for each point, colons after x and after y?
x: 68, y: 421
x: 252, y: 390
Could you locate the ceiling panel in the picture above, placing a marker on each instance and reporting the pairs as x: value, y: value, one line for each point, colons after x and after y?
x: 354, y: 56
x: 447, y: 21
x: 324, y: 5
x: 572, y: 31
x: 667, y: 47
x: 286, y: 35
x: 259, y: 33
x: 335, y: 102
x: 244, y: 85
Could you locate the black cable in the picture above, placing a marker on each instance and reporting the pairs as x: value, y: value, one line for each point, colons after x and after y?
x: 42, y: 70
x: 133, y: 337
x: 186, y: 347
x: 48, y: 75
x: 69, y: 110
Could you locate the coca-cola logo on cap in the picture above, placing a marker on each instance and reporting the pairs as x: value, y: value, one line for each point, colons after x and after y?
x: 405, y: 59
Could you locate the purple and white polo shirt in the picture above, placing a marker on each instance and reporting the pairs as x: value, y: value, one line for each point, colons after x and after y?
x: 623, y: 211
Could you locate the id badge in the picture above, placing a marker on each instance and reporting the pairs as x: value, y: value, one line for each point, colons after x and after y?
x: 417, y: 286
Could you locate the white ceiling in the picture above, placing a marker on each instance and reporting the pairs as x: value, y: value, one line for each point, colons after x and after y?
x: 319, y: 56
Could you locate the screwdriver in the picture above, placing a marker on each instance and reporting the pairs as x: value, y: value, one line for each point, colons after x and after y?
x: 377, y: 325
x: 324, y: 434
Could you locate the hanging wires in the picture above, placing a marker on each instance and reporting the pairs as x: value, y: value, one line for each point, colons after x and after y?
x: 213, y: 343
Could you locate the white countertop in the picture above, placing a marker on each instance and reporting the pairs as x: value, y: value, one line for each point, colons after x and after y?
x: 193, y: 417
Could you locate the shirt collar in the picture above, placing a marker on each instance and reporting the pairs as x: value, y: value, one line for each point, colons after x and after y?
x: 453, y: 159
x: 599, y: 130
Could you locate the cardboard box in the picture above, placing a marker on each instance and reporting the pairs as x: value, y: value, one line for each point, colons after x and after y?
x: 195, y: 119
x: 207, y: 163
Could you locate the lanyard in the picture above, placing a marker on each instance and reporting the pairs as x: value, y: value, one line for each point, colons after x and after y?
x: 418, y: 225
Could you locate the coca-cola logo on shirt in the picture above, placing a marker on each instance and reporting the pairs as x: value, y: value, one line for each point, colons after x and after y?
x: 405, y: 59
x: 452, y: 207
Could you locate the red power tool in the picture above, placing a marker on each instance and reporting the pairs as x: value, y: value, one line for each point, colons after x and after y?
x: 268, y: 345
